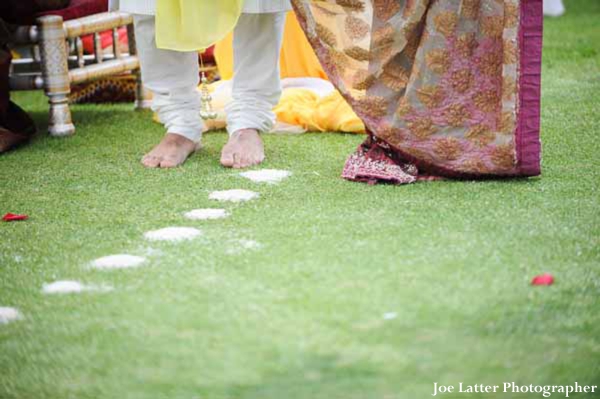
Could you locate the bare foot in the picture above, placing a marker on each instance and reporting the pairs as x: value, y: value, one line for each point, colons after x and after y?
x: 171, y: 152
x: 244, y: 148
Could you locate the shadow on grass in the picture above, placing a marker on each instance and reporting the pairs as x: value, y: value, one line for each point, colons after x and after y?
x: 515, y: 180
x: 91, y: 115
x: 317, y: 377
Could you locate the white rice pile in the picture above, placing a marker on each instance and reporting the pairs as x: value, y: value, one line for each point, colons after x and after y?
x: 270, y: 176
x: 249, y: 244
x: 236, y: 195
x: 120, y: 261
x: 206, y: 214
x: 71, y: 287
x: 173, y: 234
x: 8, y: 314
x: 390, y: 315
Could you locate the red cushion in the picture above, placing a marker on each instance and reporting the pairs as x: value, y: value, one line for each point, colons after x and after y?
x: 79, y: 8
x: 105, y: 38
x: 208, y: 56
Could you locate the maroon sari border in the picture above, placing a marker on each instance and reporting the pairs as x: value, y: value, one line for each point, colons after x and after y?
x: 528, y: 143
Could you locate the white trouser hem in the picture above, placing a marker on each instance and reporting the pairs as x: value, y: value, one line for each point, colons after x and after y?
x: 172, y: 76
x: 256, y: 85
x: 179, y: 111
x: 249, y: 114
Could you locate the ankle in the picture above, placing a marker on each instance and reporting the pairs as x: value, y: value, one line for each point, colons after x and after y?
x: 181, y: 139
x: 241, y: 132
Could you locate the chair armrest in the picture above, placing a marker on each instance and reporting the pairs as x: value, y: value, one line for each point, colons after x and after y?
x: 96, y: 23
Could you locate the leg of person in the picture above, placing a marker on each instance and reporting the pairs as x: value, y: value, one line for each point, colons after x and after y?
x: 16, y: 127
x: 8, y: 139
x: 256, y: 87
x: 172, y: 76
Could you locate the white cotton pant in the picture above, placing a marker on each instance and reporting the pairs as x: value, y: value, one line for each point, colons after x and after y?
x: 173, y: 76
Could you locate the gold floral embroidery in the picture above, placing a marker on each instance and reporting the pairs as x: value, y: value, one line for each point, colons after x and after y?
x: 476, y: 130
x: 437, y: 60
x: 490, y: 64
x: 447, y: 148
x: 445, y: 23
x: 391, y: 134
x: 465, y: 44
x: 421, y: 128
x: 487, y: 100
x: 385, y: 9
x: 456, y: 114
x: 510, y: 52
x: 509, y: 88
x: 356, y: 28
x: 511, y: 15
x: 430, y: 96
x: 395, y: 79
x: 326, y: 36
x: 507, y: 122
x: 503, y: 156
x: 385, y: 54
x: 394, y: 75
x: 475, y: 165
x: 352, y: 5
x: 409, y: 8
x: 339, y: 60
x: 385, y: 131
x: 324, y: 11
x: 492, y: 26
x: 383, y: 36
x: 358, y: 53
x: 470, y: 8
x: 481, y: 135
x: 462, y: 80
x: 404, y: 108
x: 375, y: 106
x: 363, y: 80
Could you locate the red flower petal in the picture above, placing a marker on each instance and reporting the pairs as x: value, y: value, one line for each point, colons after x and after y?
x: 543, y: 279
x: 12, y: 217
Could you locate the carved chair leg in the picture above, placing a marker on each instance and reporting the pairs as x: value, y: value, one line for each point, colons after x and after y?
x: 55, y: 73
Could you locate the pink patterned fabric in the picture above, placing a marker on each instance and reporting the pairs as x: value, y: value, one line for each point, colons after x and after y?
x: 373, y: 162
x: 447, y: 87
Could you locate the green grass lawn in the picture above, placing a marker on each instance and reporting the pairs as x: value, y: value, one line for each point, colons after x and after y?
x: 302, y: 316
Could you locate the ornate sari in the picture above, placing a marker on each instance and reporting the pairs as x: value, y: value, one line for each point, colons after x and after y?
x: 446, y: 88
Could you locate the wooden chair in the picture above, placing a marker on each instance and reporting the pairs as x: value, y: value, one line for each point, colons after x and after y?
x: 58, y: 59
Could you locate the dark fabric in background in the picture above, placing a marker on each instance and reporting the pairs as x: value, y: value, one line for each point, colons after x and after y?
x: 13, y: 12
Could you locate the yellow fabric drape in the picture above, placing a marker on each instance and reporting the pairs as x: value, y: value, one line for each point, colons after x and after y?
x: 298, y: 60
x: 331, y: 113
x: 299, y: 107
x: 190, y: 25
